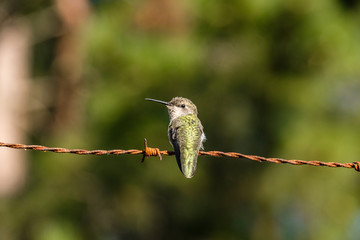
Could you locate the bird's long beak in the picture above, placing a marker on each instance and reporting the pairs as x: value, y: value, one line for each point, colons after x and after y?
x: 158, y: 101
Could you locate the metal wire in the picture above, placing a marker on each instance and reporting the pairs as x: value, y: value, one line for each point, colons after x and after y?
x: 150, y: 152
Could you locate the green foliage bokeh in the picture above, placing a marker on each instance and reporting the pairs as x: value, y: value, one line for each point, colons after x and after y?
x: 271, y: 78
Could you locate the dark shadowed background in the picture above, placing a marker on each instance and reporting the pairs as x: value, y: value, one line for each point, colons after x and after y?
x: 270, y: 78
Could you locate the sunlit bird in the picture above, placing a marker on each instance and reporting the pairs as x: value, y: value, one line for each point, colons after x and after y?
x: 185, y: 133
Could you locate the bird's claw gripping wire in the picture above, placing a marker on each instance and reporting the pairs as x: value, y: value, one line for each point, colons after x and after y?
x: 149, y: 152
x: 357, y: 166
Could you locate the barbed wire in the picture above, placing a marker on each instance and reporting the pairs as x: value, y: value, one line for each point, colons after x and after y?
x: 151, y: 152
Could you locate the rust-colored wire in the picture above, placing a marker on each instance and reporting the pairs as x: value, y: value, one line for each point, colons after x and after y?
x: 150, y: 152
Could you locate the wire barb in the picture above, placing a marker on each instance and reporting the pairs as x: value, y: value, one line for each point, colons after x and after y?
x: 150, y: 152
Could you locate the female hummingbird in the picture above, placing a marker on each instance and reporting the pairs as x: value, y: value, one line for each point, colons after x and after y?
x: 185, y: 131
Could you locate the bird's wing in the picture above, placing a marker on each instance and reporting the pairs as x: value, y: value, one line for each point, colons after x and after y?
x: 174, y: 143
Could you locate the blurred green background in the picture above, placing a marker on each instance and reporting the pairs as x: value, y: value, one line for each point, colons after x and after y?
x: 270, y: 78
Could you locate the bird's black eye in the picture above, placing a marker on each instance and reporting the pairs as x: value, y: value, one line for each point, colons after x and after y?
x: 182, y: 105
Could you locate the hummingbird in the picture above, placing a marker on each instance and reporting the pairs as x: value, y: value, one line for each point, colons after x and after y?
x: 185, y: 132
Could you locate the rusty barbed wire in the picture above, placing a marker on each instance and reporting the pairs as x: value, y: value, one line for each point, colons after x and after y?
x: 151, y: 152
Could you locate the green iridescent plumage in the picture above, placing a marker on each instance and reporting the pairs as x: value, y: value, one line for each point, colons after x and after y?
x: 185, y: 135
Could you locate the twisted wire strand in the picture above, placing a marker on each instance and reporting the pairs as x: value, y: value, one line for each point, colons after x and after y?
x: 150, y: 152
